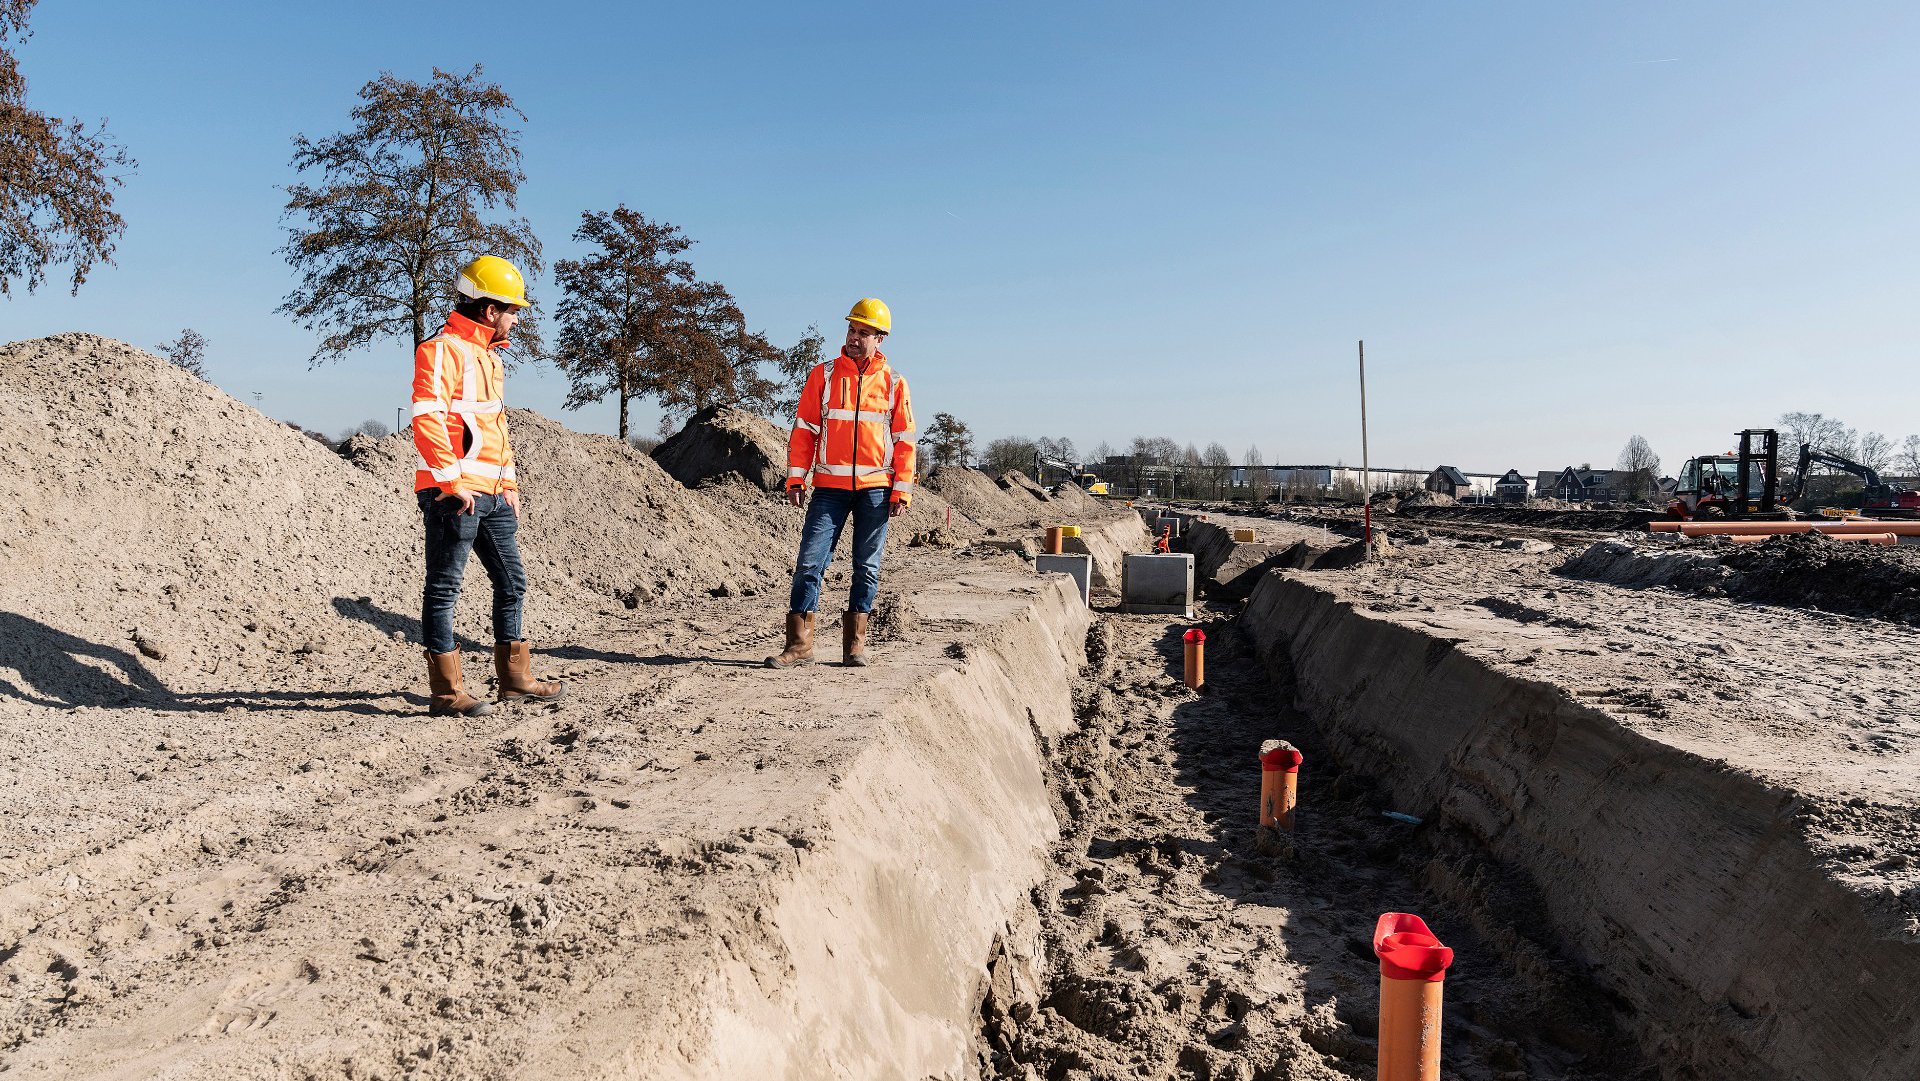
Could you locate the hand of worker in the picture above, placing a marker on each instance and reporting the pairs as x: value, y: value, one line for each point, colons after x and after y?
x: 512, y: 496
x: 896, y: 508
x: 797, y: 496
x: 466, y: 500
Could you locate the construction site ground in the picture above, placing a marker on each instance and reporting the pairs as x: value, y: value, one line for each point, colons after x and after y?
x: 1669, y: 834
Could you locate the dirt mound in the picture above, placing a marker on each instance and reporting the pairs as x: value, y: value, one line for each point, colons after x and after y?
x: 1019, y: 483
x: 976, y: 495
x: 1805, y: 570
x: 1424, y: 498
x: 173, y: 535
x: 722, y: 441
x: 1811, y: 570
x: 1508, y: 514
x: 602, y: 518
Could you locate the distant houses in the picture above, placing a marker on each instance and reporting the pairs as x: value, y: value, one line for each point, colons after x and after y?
x: 1511, y: 487
x: 1448, y: 481
x: 1578, y: 485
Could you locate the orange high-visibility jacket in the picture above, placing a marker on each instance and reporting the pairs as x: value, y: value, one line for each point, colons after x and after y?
x: 459, y: 417
x: 854, y: 429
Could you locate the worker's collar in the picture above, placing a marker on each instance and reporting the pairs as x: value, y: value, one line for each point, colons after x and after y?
x: 877, y: 358
x: 476, y: 332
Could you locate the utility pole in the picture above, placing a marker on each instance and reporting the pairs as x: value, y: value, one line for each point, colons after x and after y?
x: 1366, y: 473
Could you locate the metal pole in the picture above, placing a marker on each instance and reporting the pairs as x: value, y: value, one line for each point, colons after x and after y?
x: 1366, y: 473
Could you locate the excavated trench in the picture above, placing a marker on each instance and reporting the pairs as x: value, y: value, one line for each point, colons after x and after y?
x: 1621, y: 907
x: 1167, y: 943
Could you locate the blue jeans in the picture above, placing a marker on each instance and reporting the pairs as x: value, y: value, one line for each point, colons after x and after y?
x: 827, y: 515
x: 493, y: 531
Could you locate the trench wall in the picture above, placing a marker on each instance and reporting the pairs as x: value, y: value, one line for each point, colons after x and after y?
x: 932, y: 835
x: 1687, y: 884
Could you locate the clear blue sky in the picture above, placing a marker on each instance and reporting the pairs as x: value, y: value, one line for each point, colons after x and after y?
x: 1556, y: 225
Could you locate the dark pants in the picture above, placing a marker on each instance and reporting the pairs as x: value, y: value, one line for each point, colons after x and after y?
x: 492, y: 530
x: 827, y: 514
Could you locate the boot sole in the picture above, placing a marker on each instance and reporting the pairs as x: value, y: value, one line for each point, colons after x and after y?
x: 774, y: 662
x: 480, y: 710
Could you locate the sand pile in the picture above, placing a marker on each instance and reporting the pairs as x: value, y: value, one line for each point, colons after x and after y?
x: 163, y: 535
x: 976, y: 495
x: 721, y: 441
x: 600, y: 517
x: 1424, y: 498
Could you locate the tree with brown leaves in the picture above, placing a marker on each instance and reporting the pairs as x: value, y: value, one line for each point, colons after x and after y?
x: 635, y: 321
x: 57, y: 179
x: 188, y: 352
x: 405, y: 197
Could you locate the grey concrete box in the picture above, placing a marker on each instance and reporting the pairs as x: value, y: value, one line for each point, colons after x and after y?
x: 1080, y: 567
x: 1157, y: 584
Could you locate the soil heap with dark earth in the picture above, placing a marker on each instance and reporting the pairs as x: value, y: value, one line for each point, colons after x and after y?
x: 721, y: 441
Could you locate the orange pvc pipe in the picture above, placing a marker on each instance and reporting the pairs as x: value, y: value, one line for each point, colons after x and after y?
x: 1195, y: 670
x: 1279, y: 783
x: 1054, y: 540
x: 1413, y: 972
x: 1761, y: 538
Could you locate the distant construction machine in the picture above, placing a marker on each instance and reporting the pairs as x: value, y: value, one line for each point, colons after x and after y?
x: 1076, y: 474
x: 1744, y: 483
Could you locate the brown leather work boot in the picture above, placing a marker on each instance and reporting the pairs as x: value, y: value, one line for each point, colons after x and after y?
x: 448, y: 689
x: 853, y: 639
x: 513, y: 664
x: 799, y: 642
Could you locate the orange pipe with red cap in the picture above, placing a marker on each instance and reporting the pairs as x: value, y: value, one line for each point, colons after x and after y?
x: 1196, y: 658
x: 1413, y: 973
x: 1279, y: 783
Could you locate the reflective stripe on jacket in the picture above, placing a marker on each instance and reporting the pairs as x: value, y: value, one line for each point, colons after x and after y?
x: 854, y: 429
x: 459, y: 416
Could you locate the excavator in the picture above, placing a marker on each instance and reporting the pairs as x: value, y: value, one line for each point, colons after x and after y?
x: 1879, y: 497
x: 1075, y: 473
x: 1744, y: 483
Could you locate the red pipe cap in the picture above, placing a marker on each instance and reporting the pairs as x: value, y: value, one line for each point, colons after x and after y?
x: 1408, y: 950
x: 1196, y: 635
x: 1279, y: 756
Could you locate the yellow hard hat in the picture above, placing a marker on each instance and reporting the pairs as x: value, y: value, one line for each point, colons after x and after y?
x: 873, y: 313
x: 495, y: 279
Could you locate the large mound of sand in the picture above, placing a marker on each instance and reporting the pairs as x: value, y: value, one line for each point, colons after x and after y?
x: 601, y: 517
x: 161, y: 531
x: 974, y: 494
x: 166, y: 538
x: 721, y: 441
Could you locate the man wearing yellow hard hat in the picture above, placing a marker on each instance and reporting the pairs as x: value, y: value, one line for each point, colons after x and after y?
x: 853, y: 437
x: 464, y: 480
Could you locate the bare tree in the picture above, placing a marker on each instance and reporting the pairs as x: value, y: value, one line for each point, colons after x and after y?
x: 1823, y: 432
x: 57, y: 179
x: 405, y: 197
x: 948, y: 441
x: 1217, y: 475
x: 1061, y: 448
x: 372, y: 429
x: 1101, y: 452
x: 1638, y: 470
x: 1008, y: 453
x: 1908, y: 461
x: 1875, y: 451
x: 188, y: 352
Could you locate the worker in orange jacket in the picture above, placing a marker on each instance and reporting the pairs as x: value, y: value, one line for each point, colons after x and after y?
x: 464, y: 480
x: 853, y: 437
